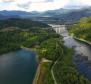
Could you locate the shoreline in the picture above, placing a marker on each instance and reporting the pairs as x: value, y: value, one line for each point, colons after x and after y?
x: 37, y: 73
x: 85, y: 41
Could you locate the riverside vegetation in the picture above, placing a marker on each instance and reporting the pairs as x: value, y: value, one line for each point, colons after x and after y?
x: 48, y: 45
x: 82, y: 29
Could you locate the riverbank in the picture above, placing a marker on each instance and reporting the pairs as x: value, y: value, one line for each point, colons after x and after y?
x: 29, y: 49
x: 82, y: 30
x: 51, y: 74
x: 68, y: 67
x: 85, y: 41
x: 36, y: 77
x: 39, y: 75
x: 41, y: 71
x: 46, y: 62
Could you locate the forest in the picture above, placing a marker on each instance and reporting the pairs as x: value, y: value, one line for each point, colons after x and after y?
x: 21, y: 23
x: 82, y: 29
x: 50, y: 46
x: 64, y: 70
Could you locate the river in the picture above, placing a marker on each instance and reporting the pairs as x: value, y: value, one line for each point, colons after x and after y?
x: 18, y: 67
x: 82, y: 55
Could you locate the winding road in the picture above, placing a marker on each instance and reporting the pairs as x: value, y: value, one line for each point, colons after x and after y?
x: 52, y: 72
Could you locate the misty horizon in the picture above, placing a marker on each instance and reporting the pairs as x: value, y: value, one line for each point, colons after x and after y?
x: 42, y: 5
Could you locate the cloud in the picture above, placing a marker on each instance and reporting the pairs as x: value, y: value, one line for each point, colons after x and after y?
x: 32, y: 5
x: 78, y: 3
x: 40, y: 5
x: 24, y: 5
x: 85, y: 2
x: 49, y: 0
x: 8, y: 1
x: 43, y: 6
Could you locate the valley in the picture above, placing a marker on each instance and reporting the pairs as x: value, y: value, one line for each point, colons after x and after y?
x: 45, y: 41
x: 58, y: 57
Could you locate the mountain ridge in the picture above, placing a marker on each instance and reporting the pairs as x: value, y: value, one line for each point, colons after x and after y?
x: 71, y: 15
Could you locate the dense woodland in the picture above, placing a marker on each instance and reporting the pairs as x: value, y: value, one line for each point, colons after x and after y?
x: 82, y: 29
x: 65, y: 71
x: 21, y: 23
x: 49, y: 45
x: 21, y: 33
x: 14, y: 39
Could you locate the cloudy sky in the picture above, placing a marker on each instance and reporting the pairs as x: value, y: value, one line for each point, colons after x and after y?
x: 41, y: 5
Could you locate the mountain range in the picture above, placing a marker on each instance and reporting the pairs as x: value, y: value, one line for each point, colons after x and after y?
x: 65, y: 15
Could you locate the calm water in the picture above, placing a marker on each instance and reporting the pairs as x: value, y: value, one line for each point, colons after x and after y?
x: 18, y: 67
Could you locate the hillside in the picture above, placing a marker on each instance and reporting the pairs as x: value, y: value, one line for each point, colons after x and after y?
x: 82, y: 29
x: 21, y: 23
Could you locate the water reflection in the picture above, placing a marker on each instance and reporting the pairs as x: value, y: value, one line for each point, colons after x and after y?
x: 82, y: 57
x: 18, y: 67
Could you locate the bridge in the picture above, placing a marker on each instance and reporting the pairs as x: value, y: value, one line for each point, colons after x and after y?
x: 58, y: 28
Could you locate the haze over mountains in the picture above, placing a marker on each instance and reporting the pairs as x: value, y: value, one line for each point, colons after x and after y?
x: 60, y: 14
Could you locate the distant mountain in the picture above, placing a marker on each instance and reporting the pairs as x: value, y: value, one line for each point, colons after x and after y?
x: 74, y: 15
x: 4, y: 16
x: 51, y: 13
x: 65, y: 15
x: 24, y: 14
x: 5, y: 12
x: 20, y: 14
x: 62, y: 15
x: 12, y: 14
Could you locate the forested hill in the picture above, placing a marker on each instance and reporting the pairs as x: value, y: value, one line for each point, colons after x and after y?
x: 21, y: 23
x: 82, y: 29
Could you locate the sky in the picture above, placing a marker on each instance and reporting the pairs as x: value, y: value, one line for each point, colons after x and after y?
x: 41, y: 5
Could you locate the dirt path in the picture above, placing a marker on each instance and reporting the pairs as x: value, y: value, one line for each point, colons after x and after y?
x: 55, y: 82
x: 38, y: 72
